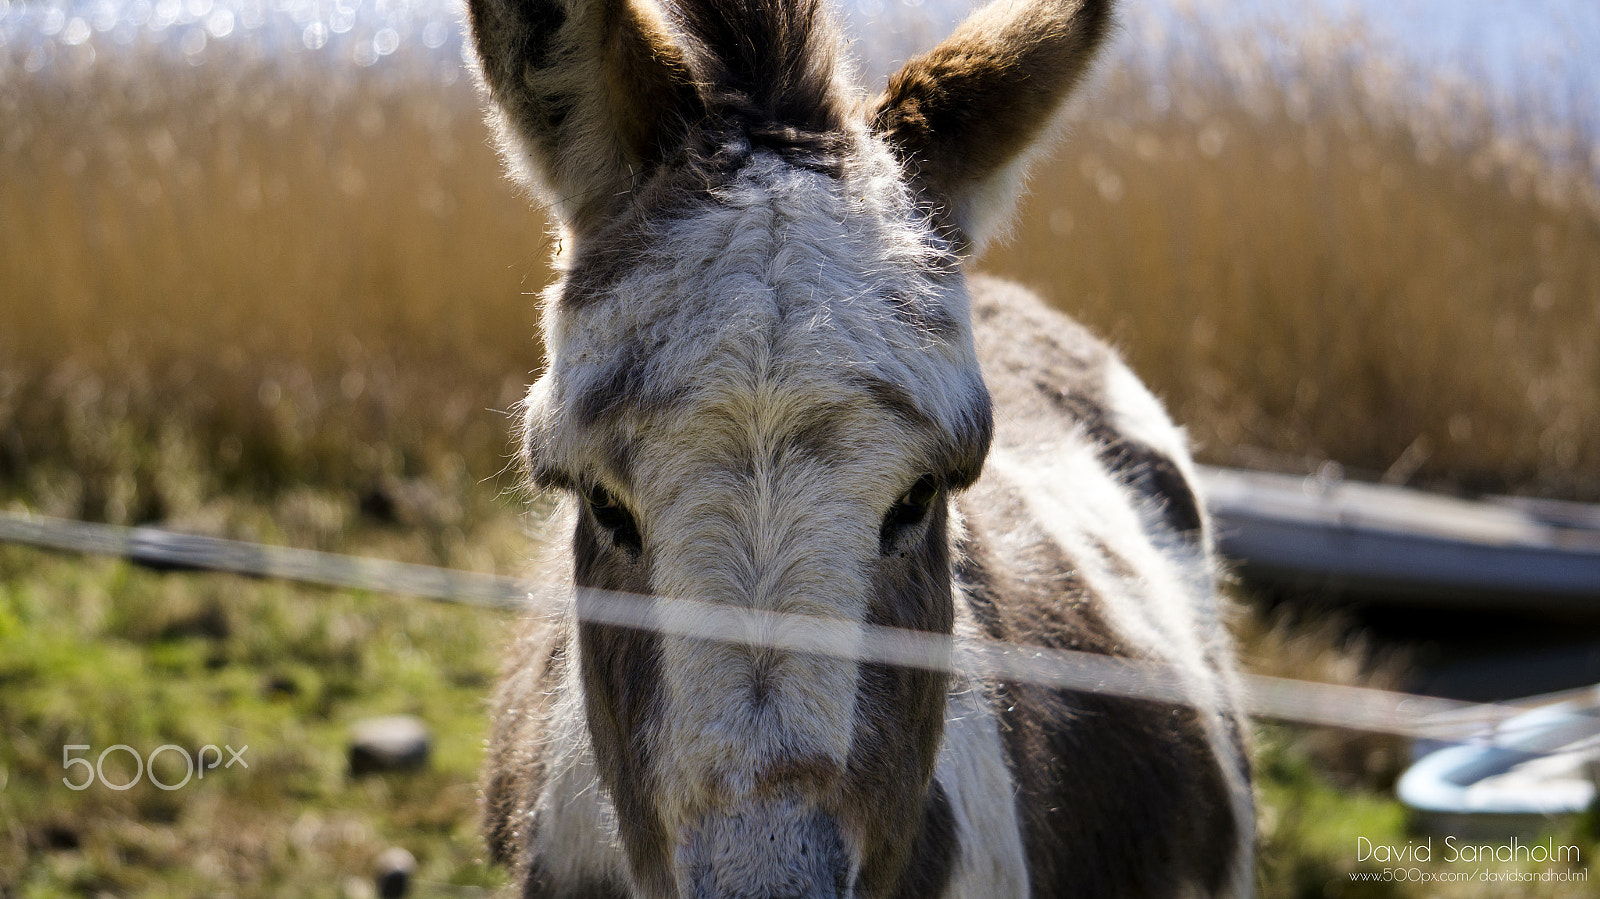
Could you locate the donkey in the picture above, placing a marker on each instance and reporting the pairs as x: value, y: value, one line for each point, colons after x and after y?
x: 771, y: 385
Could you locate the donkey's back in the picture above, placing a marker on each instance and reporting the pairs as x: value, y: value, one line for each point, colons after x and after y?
x: 1085, y: 534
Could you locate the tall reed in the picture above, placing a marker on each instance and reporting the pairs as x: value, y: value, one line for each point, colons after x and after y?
x: 260, y: 274
x: 248, y: 275
x: 1324, y: 254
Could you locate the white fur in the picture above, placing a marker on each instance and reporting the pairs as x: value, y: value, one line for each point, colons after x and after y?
x: 576, y: 838
x: 972, y: 769
x: 758, y: 281
x: 1138, y: 414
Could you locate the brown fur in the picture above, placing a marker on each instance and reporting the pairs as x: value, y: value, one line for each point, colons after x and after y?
x: 597, y: 92
x: 770, y: 62
x: 1048, y: 367
x: 622, y: 704
x: 514, y: 771
x: 971, y: 108
x: 914, y: 591
x: 1119, y: 797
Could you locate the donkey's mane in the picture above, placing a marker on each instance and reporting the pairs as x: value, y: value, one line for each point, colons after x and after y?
x: 771, y: 62
x: 768, y: 75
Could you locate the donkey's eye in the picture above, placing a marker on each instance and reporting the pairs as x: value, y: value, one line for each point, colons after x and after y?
x: 909, y: 510
x: 614, y: 517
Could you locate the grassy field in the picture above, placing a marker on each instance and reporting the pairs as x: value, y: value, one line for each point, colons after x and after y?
x: 96, y: 653
x: 261, y: 300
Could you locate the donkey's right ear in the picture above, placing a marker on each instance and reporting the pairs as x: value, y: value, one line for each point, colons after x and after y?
x: 585, y: 95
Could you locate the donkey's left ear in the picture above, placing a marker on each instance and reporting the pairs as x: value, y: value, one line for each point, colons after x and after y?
x: 967, y: 116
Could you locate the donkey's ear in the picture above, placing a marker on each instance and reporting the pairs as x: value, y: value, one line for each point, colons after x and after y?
x: 967, y: 116
x: 586, y: 95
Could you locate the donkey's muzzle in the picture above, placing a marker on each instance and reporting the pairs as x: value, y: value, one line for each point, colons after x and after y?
x: 766, y: 849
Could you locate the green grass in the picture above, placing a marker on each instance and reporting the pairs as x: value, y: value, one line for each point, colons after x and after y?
x: 96, y: 652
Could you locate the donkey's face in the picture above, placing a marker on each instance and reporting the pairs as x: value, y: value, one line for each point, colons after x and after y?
x: 761, y: 389
x: 766, y: 408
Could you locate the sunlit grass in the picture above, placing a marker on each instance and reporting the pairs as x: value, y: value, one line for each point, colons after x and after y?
x: 97, y: 654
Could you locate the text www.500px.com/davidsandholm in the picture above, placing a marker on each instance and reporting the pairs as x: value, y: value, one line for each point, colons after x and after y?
x: 1482, y: 875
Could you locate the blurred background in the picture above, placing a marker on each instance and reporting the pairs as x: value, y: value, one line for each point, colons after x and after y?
x: 261, y: 277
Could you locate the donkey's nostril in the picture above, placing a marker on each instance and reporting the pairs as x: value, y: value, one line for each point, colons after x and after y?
x: 803, y: 855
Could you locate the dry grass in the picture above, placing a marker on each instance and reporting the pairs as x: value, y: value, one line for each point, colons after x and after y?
x: 258, y: 273
x: 252, y: 276
x: 1309, y: 265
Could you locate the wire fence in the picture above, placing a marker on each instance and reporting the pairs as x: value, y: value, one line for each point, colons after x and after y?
x: 1282, y: 699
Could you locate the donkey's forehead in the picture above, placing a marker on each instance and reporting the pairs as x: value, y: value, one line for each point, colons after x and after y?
x: 750, y: 381
x: 785, y: 293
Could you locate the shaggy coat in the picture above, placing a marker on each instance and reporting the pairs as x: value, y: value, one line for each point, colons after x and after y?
x: 771, y: 385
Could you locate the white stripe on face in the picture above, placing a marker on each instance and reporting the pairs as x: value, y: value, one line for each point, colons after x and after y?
x: 771, y: 528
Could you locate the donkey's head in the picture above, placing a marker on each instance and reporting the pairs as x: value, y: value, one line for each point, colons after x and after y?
x: 761, y: 390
